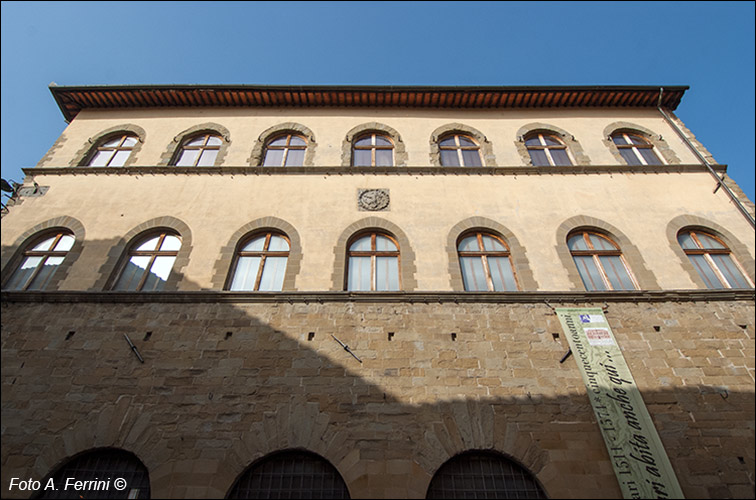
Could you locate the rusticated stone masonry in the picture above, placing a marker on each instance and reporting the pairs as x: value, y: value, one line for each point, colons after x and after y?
x: 223, y: 384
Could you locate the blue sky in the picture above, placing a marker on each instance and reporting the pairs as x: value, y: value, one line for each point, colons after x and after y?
x: 706, y: 45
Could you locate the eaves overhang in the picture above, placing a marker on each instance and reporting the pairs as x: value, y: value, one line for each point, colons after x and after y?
x: 73, y: 99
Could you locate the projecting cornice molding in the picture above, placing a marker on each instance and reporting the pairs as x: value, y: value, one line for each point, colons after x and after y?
x: 413, y: 170
x: 552, y: 299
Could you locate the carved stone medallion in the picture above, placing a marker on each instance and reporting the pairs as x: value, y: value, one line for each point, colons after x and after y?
x: 373, y: 200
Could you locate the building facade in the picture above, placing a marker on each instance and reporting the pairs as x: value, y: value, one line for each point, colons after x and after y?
x: 183, y: 268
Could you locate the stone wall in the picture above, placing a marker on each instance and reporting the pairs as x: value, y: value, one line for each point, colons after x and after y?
x: 224, y: 383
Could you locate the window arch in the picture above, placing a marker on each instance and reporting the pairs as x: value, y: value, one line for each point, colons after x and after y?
x: 599, y: 262
x: 575, y: 152
x: 398, y: 153
x: 113, y: 151
x: 285, y: 150
x: 373, y: 149
x: 407, y: 265
x: 149, y: 262
x: 226, y: 265
x: 260, y: 263
x: 99, y: 465
x: 713, y: 260
x: 175, y: 149
x: 483, y: 474
x: 634, y: 148
x: 96, y: 149
x: 486, y: 263
x: 459, y: 150
x: 260, y: 146
x: 546, y: 149
x: 518, y: 254
x: 290, y: 474
x: 199, y: 150
x: 373, y: 262
x: 41, y: 259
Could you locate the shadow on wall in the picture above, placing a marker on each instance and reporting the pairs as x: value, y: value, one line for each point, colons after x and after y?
x: 223, y: 384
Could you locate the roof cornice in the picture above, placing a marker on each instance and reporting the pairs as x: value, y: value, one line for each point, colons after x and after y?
x: 73, y: 99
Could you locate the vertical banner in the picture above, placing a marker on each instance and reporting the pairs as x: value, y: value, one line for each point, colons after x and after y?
x: 635, y: 450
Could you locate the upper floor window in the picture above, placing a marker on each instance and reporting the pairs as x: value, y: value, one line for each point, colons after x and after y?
x: 635, y: 149
x: 373, y: 263
x: 486, y: 264
x: 149, y: 264
x: 600, y: 262
x: 113, y: 152
x: 285, y: 151
x: 459, y: 150
x: 40, y: 261
x: 713, y: 260
x: 546, y: 150
x: 199, y: 151
x: 373, y: 150
x: 261, y: 263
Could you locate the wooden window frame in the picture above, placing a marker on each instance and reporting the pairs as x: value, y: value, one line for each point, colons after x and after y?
x: 459, y: 148
x: 546, y: 148
x: 45, y: 254
x: 595, y: 254
x: 707, y: 252
x: 635, y: 147
x: 484, y: 255
x: 263, y: 254
x: 286, y: 148
x: 201, y: 148
x: 115, y: 149
x: 153, y: 254
x: 373, y: 254
x: 373, y: 147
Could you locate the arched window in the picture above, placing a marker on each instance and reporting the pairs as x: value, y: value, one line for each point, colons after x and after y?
x: 599, y: 261
x: 199, y: 151
x: 286, y: 150
x: 261, y: 263
x: 546, y: 150
x: 290, y: 474
x: 97, y: 467
x: 40, y: 261
x: 635, y: 149
x: 459, y: 150
x: 478, y: 474
x: 373, y: 150
x: 373, y: 263
x: 113, y: 152
x: 713, y: 260
x: 485, y: 262
x: 149, y: 264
